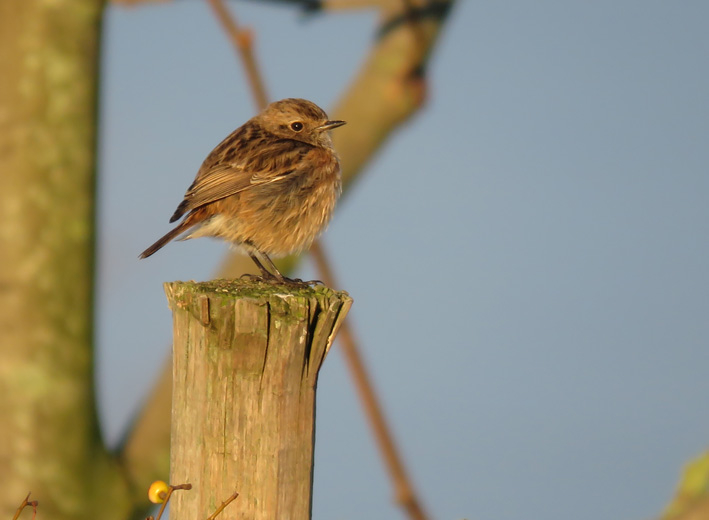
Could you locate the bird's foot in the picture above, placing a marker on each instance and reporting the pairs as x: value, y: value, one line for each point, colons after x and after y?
x: 297, y: 282
x: 273, y: 279
x: 257, y: 278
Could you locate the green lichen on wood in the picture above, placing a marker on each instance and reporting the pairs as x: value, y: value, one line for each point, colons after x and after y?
x: 244, y: 288
x: 289, y: 301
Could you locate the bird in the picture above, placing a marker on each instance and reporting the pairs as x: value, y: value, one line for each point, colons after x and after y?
x: 269, y: 188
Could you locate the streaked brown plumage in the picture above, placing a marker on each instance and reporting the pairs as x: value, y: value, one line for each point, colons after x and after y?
x: 270, y: 187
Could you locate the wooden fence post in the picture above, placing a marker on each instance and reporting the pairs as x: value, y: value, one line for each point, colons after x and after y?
x: 246, y: 359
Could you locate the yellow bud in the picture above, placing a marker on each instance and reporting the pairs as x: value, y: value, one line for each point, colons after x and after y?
x: 157, y: 492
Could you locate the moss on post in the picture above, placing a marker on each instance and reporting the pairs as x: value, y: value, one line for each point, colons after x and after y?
x: 246, y: 362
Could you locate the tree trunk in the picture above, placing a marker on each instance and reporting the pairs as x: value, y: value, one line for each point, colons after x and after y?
x: 49, y: 439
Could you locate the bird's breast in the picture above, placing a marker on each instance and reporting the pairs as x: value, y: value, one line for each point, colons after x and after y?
x: 286, y: 215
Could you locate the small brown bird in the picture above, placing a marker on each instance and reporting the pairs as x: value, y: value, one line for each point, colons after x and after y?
x: 269, y: 188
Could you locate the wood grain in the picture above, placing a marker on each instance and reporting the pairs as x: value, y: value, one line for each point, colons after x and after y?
x: 246, y: 361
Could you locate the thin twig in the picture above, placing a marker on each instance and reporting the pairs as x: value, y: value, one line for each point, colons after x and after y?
x: 224, y: 504
x: 404, y: 490
x: 26, y: 502
x: 170, y: 489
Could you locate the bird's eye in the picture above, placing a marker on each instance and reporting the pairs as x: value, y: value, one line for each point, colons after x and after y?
x: 297, y: 126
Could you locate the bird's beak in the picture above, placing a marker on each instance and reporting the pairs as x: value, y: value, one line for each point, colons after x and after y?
x: 329, y: 125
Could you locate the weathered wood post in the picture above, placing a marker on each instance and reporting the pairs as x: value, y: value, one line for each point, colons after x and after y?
x: 246, y: 361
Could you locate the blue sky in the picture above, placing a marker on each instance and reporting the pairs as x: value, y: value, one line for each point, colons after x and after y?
x: 528, y: 256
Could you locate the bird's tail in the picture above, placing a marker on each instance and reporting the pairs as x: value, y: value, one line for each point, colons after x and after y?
x: 181, y: 228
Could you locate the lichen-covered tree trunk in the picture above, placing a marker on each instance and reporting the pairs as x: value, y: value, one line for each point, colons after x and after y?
x: 49, y: 438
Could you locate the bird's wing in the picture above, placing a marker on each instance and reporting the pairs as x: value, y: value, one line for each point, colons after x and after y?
x: 227, y: 171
